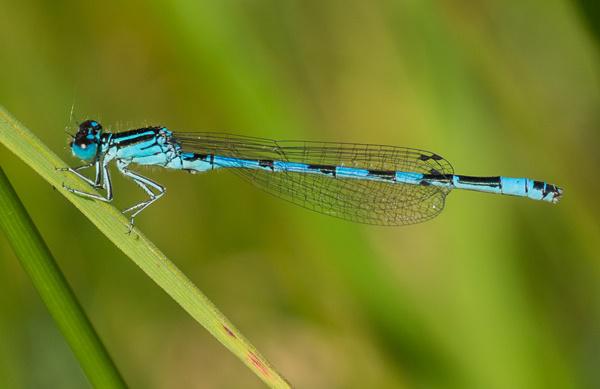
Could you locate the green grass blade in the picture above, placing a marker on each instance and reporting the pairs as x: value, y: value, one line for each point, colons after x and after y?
x: 141, y: 251
x: 36, y: 259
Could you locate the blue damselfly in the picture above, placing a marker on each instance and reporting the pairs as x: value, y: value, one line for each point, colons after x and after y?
x: 365, y: 183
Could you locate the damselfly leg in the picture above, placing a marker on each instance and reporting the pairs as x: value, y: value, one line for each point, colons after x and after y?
x: 144, y: 183
x: 101, y: 181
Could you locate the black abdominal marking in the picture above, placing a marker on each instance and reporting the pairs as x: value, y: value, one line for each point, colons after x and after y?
x: 326, y: 169
x: 383, y: 174
x: 266, y: 163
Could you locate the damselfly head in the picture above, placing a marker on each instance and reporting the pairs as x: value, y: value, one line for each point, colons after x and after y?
x: 85, y: 143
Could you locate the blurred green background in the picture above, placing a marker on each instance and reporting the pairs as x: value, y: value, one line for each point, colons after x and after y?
x: 496, y: 292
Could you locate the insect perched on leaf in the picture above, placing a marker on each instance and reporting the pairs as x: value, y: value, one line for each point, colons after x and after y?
x: 364, y: 183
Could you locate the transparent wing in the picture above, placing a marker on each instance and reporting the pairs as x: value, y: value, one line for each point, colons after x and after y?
x: 364, y: 201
